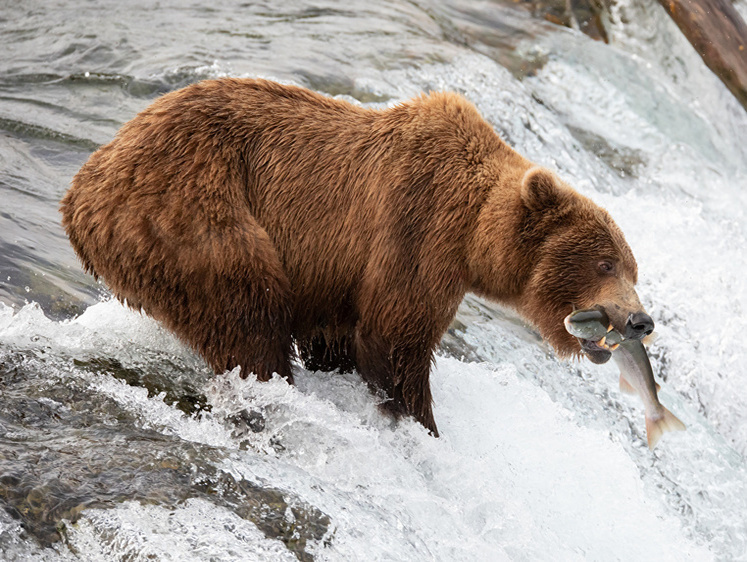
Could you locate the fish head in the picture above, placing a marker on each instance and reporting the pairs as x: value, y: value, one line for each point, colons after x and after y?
x: 589, y: 324
x: 594, y: 332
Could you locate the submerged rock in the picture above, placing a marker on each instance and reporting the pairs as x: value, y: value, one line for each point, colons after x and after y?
x: 67, y: 448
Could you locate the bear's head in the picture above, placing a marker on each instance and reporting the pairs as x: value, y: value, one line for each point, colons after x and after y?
x: 580, y: 261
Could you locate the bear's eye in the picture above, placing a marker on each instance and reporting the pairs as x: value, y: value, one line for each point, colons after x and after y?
x: 606, y: 267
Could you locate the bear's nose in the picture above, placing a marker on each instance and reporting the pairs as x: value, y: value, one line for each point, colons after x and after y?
x: 639, y: 326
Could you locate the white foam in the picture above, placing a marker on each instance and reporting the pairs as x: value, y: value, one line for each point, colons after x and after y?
x: 512, y: 477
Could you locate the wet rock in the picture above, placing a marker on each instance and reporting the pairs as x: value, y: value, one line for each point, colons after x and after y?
x: 295, y: 523
x: 587, y: 16
x: 719, y: 35
x: 625, y: 162
x: 453, y: 344
x: 247, y: 421
x: 159, y: 377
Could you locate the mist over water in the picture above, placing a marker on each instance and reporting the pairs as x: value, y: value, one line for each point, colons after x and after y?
x: 110, y: 425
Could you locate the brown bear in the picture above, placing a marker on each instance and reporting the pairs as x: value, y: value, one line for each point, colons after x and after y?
x: 253, y: 219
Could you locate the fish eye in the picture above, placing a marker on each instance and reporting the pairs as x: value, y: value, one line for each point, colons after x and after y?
x: 606, y: 267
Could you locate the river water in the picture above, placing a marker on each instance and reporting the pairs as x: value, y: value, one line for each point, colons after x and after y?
x: 116, y: 442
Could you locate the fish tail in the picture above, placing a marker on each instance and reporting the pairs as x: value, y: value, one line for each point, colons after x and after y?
x: 656, y: 427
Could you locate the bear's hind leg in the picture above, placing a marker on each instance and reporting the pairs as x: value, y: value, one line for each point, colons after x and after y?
x: 248, y: 316
x: 224, y: 293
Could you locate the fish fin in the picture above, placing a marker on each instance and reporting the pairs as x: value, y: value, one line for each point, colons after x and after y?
x: 626, y: 387
x: 655, y: 428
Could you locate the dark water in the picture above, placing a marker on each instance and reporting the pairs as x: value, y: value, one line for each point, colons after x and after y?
x: 117, y: 443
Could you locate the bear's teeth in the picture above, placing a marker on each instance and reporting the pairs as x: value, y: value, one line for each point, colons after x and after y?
x: 601, y: 343
x: 613, y: 347
x: 610, y: 328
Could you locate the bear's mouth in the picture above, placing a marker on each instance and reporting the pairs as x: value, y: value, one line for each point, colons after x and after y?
x: 594, y: 351
x: 594, y: 332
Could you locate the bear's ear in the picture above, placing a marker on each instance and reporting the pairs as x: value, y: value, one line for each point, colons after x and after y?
x: 540, y: 190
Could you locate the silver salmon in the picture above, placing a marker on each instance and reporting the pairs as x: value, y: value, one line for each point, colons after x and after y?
x: 635, y: 368
x: 636, y: 373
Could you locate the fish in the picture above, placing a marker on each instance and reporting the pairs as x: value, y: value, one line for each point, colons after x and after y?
x: 635, y: 369
x: 636, y: 374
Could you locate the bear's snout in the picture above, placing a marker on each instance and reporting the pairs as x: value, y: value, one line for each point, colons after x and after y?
x: 638, y: 326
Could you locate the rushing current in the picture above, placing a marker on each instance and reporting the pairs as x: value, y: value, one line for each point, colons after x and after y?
x: 118, y: 443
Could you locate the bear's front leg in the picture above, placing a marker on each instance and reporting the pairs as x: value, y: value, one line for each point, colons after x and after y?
x: 398, y: 364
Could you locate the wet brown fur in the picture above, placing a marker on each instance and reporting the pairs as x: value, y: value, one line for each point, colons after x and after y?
x: 248, y: 216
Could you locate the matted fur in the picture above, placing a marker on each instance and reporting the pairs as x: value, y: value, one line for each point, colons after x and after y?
x: 247, y: 216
